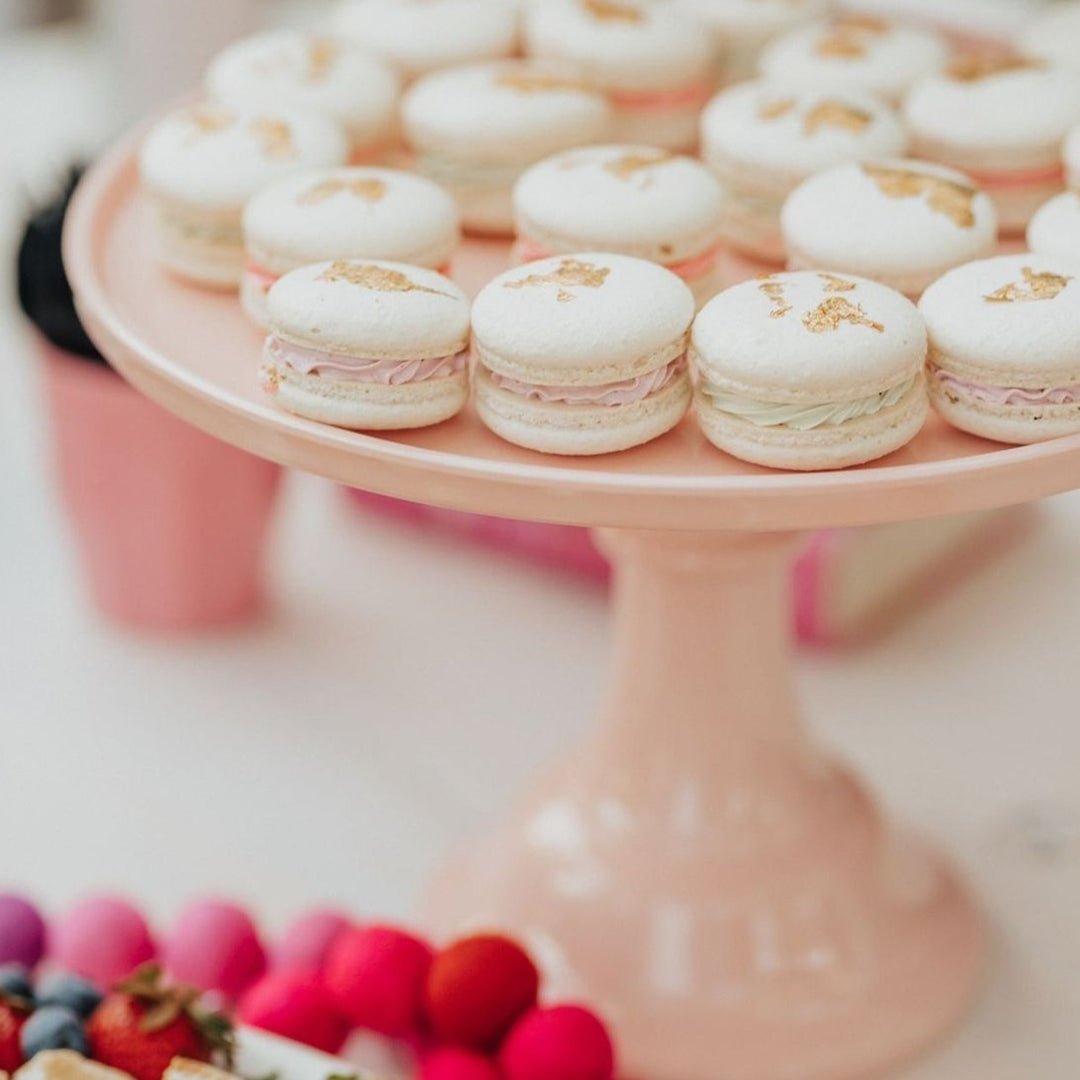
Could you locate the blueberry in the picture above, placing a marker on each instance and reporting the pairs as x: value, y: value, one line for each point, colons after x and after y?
x: 77, y: 994
x: 15, y: 982
x: 54, y: 1027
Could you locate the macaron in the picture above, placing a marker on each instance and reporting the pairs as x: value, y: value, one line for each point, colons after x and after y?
x: 763, y: 139
x: 900, y: 222
x: 1001, y: 119
x: 582, y: 354
x: 742, y: 28
x: 1071, y: 155
x: 656, y: 63
x: 328, y: 214
x: 201, y: 164
x: 810, y: 371
x: 1055, y: 228
x: 367, y: 345
x: 475, y: 129
x: 1004, y: 356
x: 421, y: 36
x: 289, y: 69
x: 1054, y: 34
x: 856, y: 52
x: 631, y: 200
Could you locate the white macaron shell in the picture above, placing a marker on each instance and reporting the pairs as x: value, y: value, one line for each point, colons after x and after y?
x: 421, y: 315
x: 285, y: 68
x: 1055, y: 228
x: 366, y: 213
x: 754, y: 18
x: 872, y: 219
x: 766, y: 126
x: 1054, y: 35
x: 1027, y: 343
x: 630, y: 197
x: 535, y: 323
x: 759, y: 338
x: 888, y: 62
x: 217, y: 157
x: 621, y: 44
x: 504, y: 112
x: 419, y: 36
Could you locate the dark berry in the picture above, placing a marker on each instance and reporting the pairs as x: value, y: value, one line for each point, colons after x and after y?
x: 79, y: 995
x: 15, y: 982
x: 55, y: 1027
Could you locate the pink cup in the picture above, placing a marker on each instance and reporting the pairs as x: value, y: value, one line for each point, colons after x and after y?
x: 171, y: 524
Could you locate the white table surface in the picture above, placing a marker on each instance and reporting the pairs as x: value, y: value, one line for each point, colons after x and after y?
x: 403, y: 689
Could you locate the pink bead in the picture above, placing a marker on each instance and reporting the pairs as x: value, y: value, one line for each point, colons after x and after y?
x: 563, y: 1043
x: 295, y: 1005
x: 103, y: 939
x: 22, y: 932
x: 307, y: 942
x: 456, y: 1064
x: 215, y: 946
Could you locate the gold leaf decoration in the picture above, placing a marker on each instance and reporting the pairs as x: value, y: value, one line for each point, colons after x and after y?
x: 370, y: 190
x: 831, y: 313
x: 375, y: 278
x: 275, y: 137
x: 835, y: 284
x: 540, y: 82
x: 570, y: 272
x: 209, y: 119
x: 850, y: 37
x: 322, y: 56
x: 629, y: 165
x: 976, y: 66
x: 1044, y: 286
x: 773, y: 110
x: 836, y: 114
x: 952, y: 198
x: 774, y: 290
x: 613, y: 10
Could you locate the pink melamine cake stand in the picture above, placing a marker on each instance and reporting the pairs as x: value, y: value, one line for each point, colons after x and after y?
x: 725, y: 890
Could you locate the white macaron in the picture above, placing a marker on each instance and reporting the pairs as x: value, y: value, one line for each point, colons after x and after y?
x: 1055, y: 228
x: 1005, y: 347
x: 903, y: 223
x: 656, y: 63
x: 475, y: 129
x: 810, y: 371
x: 763, y: 139
x: 201, y: 164
x: 582, y: 354
x: 357, y: 213
x: 632, y: 200
x: 856, y: 52
x: 421, y: 36
x: 285, y: 68
x: 1002, y: 120
x: 1054, y: 34
x: 367, y: 345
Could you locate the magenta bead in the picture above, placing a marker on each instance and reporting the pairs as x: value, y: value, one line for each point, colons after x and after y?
x: 103, y: 939
x: 306, y: 943
x: 22, y: 932
x: 215, y: 946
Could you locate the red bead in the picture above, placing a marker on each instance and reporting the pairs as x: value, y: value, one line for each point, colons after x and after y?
x: 295, y: 1005
x: 454, y: 1063
x: 562, y: 1043
x: 375, y: 976
x: 477, y: 988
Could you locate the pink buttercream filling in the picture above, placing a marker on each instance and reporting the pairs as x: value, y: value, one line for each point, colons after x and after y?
x: 693, y: 95
x: 331, y: 365
x: 624, y: 392
x: 689, y: 269
x: 1021, y: 178
x: 1006, y: 395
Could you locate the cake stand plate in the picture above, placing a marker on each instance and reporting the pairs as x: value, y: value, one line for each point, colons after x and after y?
x: 699, y: 867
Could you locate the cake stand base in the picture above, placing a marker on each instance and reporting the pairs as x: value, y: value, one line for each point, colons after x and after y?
x: 728, y: 895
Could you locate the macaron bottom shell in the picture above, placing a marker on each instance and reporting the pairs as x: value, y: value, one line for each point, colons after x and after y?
x: 839, y: 447
x: 203, y: 247
x: 579, y: 430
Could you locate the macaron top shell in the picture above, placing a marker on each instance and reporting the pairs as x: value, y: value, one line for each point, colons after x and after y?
x: 291, y: 69
x: 507, y: 111
x: 621, y: 44
x: 1013, y: 320
x: 994, y: 106
x: 775, y: 129
x: 372, y: 309
x: 344, y: 213
x: 889, y: 218
x: 632, y: 199
x: 809, y: 337
x: 754, y: 18
x: 419, y: 36
x: 1054, y: 34
x: 1055, y: 228
x: 216, y: 157
x: 855, y: 52
x: 584, y: 319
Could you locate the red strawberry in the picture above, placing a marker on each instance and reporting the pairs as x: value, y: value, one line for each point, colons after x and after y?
x: 12, y: 1018
x: 143, y: 1025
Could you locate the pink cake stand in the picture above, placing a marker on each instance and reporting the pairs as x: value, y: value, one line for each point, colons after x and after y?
x: 724, y: 889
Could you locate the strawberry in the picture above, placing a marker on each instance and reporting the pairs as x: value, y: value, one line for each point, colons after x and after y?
x: 144, y: 1024
x: 12, y: 1018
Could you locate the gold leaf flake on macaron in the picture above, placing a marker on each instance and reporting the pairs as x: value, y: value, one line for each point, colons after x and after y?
x: 540, y: 82
x: 976, y: 66
x: 376, y: 278
x: 836, y: 114
x: 630, y: 165
x: 849, y: 37
x: 570, y: 273
x: 836, y: 284
x: 369, y: 189
x: 773, y: 110
x: 774, y: 291
x: 322, y: 55
x: 614, y: 10
x: 1044, y: 286
x: 952, y: 198
x: 836, y: 310
x: 210, y: 119
x: 275, y: 137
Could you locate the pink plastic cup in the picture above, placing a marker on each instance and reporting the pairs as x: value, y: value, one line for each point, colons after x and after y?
x: 171, y: 524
